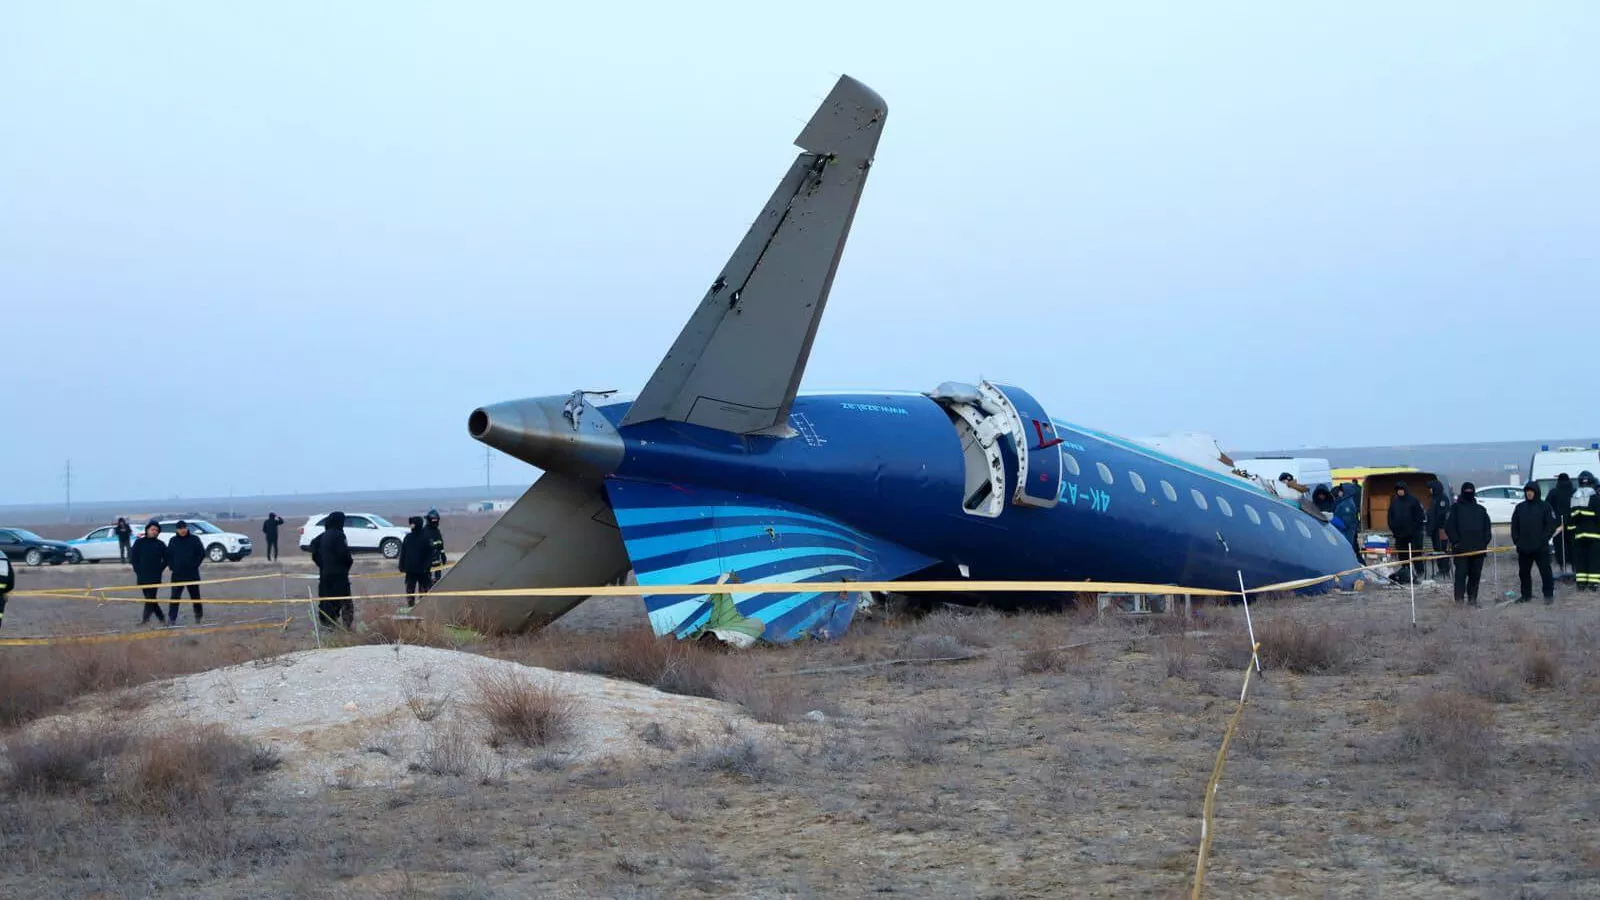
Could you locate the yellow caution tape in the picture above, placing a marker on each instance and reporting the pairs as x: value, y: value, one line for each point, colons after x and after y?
x: 1209, y: 808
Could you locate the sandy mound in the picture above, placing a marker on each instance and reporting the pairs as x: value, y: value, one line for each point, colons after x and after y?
x: 385, y: 714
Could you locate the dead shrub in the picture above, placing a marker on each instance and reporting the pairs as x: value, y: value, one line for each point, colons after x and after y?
x: 1322, y: 649
x: 62, y: 760
x: 520, y: 711
x: 638, y: 655
x: 1451, y: 731
x: 968, y: 628
x: 1494, y: 683
x: 447, y: 751
x: 1177, y: 656
x: 1041, y: 656
x: 383, y: 628
x: 740, y: 757
x: 1541, y: 665
x: 778, y: 700
x: 190, y: 769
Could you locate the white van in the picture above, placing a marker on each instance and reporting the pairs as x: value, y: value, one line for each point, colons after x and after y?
x: 1548, y: 463
x: 1308, y: 470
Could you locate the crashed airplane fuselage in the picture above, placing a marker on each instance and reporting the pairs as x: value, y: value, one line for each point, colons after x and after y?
x: 720, y: 469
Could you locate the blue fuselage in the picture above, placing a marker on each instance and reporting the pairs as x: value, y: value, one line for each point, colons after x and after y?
x: 892, y: 465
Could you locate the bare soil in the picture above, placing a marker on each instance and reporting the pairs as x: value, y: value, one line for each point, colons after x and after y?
x: 1455, y: 758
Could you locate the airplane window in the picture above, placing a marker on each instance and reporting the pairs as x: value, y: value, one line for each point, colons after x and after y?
x: 1199, y: 498
x: 1276, y: 522
x: 1167, y: 489
x: 1304, y: 531
x: 1105, y: 473
x: 1255, y: 517
x: 1222, y: 504
x: 1136, y: 481
x: 1072, y: 463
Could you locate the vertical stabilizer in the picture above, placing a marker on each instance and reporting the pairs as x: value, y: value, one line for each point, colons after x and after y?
x: 738, y: 362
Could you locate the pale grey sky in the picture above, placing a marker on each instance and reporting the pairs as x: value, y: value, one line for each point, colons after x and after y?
x: 291, y: 247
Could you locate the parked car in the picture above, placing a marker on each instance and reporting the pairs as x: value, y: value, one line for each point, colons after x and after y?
x: 220, y: 545
x: 1500, y: 500
x: 364, y: 531
x: 24, y: 545
x: 99, y: 544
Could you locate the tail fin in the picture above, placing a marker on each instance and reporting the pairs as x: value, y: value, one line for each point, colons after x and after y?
x: 738, y: 362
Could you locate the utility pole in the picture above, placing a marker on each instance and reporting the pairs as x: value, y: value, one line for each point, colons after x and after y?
x: 67, y: 479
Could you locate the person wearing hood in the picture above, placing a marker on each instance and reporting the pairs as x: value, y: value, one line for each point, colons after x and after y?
x: 185, y: 553
x: 1532, y: 524
x: 1438, y: 512
x: 8, y: 580
x: 148, y: 556
x: 416, y: 561
x: 1583, y: 521
x: 1407, y: 522
x: 1468, y: 529
x: 1323, y: 498
x: 330, y: 550
x: 1347, y: 514
x: 1560, y: 500
x: 436, y: 541
x: 269, y: 528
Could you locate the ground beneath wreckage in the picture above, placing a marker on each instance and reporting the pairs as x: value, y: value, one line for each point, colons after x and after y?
x: 1454, y: 759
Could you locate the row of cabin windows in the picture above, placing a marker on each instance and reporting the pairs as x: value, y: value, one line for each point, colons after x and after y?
x: 1171, y: 494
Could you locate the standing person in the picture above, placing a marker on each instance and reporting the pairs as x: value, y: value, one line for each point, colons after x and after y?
x: 1347, y: 515
x: 1468, y: 529
x: 124, y: 533
x: 1584, y: 523
x: 148, y: 555
x: 185, y: 553
x: 1561, y: 504
x: 416, y: 560
x: 1532, y: 524
x: 1407, y: 522
x: 1438, y: 511
x: 270, y: 529
x: 330, y: 550
x: 436, y: 541
x: 8, y: 580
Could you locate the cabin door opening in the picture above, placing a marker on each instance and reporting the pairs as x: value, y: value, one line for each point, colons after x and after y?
x: 988, y: 418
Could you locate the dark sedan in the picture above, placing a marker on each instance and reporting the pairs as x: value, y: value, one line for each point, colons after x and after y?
x: 22, y: 544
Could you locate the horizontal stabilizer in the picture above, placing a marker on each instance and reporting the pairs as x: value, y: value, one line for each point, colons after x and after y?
x: 559, y: 533
x: 738, y: 362
x: 685, y: 535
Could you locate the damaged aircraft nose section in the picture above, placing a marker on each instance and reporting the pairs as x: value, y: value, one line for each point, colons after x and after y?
x: 558, y: 434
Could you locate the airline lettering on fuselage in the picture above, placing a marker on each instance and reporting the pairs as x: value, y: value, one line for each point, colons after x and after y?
x: 1098, y: 500
x: 873, y: 407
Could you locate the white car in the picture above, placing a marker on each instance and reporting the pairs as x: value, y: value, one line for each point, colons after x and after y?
x: 1500, y: 500
x: 101, y: 543
x: 364, y: 532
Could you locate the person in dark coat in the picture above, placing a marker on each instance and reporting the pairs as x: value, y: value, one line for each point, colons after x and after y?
x: 416, y: 560
x: 124, y: 533
x: 270, y: 529
x: 148, y: 556
x: 435, y: 540
x: 1408, y: 521
x: 1438, y: 512
x: 1532, y: 524
x: 1347, y: 514
x: 330, y: 550
x: 8, y: 580
x: 1561, y: 504
x: 1468, y: 529
x: 185, y: 553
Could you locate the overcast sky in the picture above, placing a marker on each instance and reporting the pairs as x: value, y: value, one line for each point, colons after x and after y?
x: 291, y: 248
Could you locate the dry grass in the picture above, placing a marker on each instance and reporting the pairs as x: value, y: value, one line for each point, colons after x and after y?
x: 1449, y: 731
x: 519, y: 711
x: 637, y: 654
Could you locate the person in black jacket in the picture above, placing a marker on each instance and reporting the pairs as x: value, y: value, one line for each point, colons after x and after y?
x: 1561, y: 505
x: 1468, y: 530
x: 270, y: 529
x: 1532, y: 524
x: 416, y: 558
x: 185, y: 553
x: 1408, y: 521
x: 1438, y: 512
x: 8, y: 580
x: 436, y: 540
x: 124, y: 533
x: 330, y: 550
x: 148, y: 556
